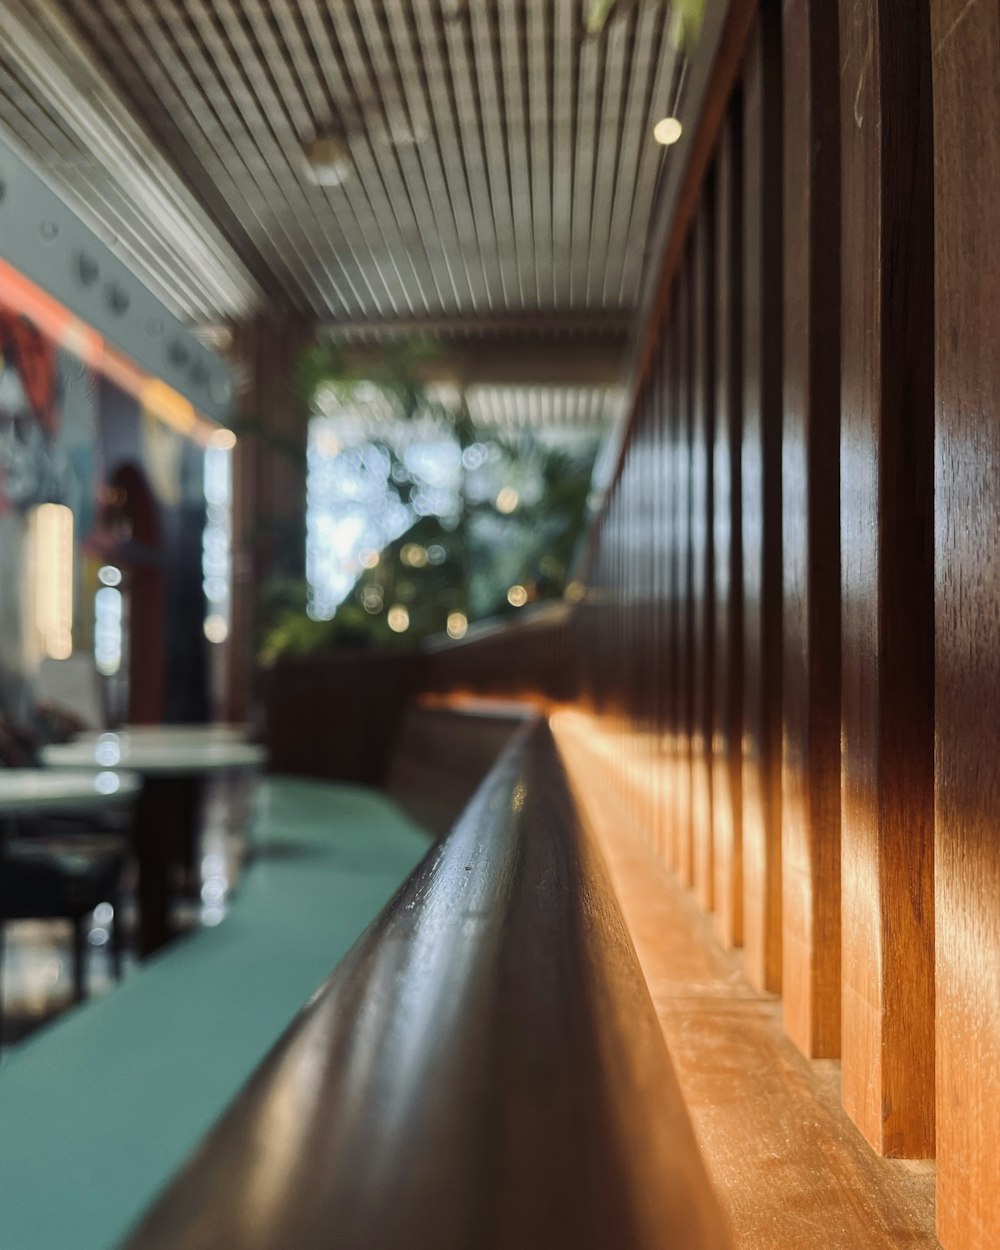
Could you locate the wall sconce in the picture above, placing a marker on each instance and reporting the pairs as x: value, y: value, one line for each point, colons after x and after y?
x: 51, y: 547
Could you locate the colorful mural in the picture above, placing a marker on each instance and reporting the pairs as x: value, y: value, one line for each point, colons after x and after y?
x: 82, y: 427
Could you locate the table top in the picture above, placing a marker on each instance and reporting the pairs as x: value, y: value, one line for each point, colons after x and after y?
x: 152, y: 755
x: 36, y: 789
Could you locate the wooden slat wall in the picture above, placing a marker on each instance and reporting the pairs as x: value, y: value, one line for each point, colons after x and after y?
x: 811, y: 542
x: 965, y: 41
x: 837, y: 180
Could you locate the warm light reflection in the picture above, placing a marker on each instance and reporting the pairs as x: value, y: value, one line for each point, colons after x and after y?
x: 667, y: 131
x: 517, y: 596
x: 414, y: 555
x: 458, y: 625
x: 507, y: 500
x: 225, y: 439
x: 51, y: 545
x: 398, y: 619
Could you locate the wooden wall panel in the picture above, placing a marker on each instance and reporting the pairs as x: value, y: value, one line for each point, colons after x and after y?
x: 761, y: 482
x: 887, y: 573
x: 965, y: 39
x: 810, y: 813
x: 702, y: 549
x: 727, y: 538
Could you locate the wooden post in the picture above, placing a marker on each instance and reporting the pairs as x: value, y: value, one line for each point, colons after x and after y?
x: 761, y: 481
x: 702, y: 547
x: 682, y: 479
x: 811, y: 501
x: 727, y: 777
x: 967, y: 847
x: 269, y: 488
x: 887, y: 345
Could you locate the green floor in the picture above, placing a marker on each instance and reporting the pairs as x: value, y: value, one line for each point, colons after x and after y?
x: 99, y: 1110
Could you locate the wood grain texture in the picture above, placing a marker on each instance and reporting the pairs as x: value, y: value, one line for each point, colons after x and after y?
x: 791, y: 1170
x: 484, y: 1069
x: 887, y: 346
x: 810, y: 806
x: 761, y: 481
x: 702, y: 547
x: 727, y: 535
x: 965, y: 39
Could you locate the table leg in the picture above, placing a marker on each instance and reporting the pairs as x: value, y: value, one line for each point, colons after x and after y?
x: 165, y: 819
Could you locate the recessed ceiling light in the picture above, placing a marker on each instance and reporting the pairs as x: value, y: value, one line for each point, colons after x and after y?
x: 667, y: 131
x: 329, y: 160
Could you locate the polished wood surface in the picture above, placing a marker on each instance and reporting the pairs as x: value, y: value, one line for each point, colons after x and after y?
x: 727, y: 535
x: 790, y: 1169
x: 887, y: 570
x: 442, y: 754
x: 966, y: 71
x: 810, y: 807
x: 484, y: 1069
x: 703, y: 419
x: 761, y: 482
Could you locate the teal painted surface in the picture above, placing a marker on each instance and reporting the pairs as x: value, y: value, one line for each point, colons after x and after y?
x: 99, y: 1111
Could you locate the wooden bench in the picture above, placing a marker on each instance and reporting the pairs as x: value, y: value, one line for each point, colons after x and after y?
x: 483, y: 1067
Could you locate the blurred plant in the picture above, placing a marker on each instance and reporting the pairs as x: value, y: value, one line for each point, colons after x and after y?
x: 444, y: 571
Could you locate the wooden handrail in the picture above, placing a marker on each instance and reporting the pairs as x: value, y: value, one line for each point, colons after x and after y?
x: 485, y: 1069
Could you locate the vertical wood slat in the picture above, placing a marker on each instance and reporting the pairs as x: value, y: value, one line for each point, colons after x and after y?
x: 887, y: 573
x: 702, y: 550
x: 811, y: 531
x: 967, y: 848
x: 727, y: 777
x: 671, y: 728
x: 761, y: 482
x: 682, y: 471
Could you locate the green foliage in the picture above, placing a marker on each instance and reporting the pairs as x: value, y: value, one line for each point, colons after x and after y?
x: 435, y: 569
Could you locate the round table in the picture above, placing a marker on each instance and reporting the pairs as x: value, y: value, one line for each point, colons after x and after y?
x: 24, y: 791
x: 172, y: 762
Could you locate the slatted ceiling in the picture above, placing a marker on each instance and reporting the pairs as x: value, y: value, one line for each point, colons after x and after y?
x: 540, y: 408
x: 658, y: 105
x: 65, y: 117
x: 502, y: 162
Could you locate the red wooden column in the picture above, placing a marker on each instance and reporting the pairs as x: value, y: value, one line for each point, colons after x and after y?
x: 702, y: 549
x: 967, y: 848
x: 811, y: 531
x: 727, y: 778
x: 887, y: 815
x: 761, y: 482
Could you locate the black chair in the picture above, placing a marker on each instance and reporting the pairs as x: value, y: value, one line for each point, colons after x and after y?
x: 48, y: 878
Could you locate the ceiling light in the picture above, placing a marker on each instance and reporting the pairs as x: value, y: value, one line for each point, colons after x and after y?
x: 328, y: 159
x: 667, y: 131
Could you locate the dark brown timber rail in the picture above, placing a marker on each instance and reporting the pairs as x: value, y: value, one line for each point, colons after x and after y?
x: 484, y: 1070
